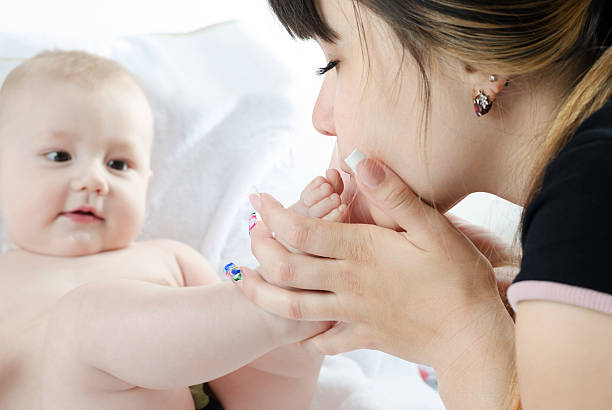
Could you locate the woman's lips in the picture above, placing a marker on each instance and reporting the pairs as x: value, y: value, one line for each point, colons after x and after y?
x: 82, y: 218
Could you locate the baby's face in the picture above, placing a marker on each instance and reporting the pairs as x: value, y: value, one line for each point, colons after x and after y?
x: 74, y: 167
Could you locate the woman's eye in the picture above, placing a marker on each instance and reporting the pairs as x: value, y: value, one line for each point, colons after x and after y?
x: 329, y: 66
x: 117, y: 165
x: 58, y: 156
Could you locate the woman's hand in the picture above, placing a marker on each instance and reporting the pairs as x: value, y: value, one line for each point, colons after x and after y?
x: 501, y: 255
x: 413, y: 294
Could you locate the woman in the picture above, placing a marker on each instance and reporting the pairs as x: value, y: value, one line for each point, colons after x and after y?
x: 403, y: 84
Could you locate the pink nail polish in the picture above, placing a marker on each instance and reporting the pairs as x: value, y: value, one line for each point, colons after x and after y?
x: 252, y: 221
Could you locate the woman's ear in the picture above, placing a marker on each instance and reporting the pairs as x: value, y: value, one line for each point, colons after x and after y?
x: 488, y: 83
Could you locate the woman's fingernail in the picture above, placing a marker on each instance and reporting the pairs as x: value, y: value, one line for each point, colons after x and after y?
x: 234, y: 273
x: 369, y: 171
x: 354, y: 158
x: 255, y: 200
x: 253, y: 218
x: 428, y: 375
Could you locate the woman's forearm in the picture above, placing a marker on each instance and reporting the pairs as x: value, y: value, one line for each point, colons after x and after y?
x: 480, y: 372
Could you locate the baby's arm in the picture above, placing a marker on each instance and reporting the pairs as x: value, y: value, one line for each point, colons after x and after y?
x: 122, y: 334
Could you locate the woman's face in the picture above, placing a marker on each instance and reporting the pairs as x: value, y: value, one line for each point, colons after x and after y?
x: 371, y: 100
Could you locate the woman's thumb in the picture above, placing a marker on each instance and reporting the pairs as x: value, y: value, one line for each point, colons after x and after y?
x: 390, y: 193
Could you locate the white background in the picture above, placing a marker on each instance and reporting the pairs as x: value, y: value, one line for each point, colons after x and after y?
x: 122, y: 16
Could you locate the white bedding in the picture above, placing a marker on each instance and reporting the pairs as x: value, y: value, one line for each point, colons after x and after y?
x: 224, y: 122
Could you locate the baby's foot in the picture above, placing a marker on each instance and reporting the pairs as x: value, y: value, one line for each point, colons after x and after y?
x: 321, y: 198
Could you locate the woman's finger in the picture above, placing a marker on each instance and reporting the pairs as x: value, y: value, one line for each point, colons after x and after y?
x: 284, y: 268
x: 314, y: 236
x: 394, y: 197
x: 340, y: 338
x: 257, y: 228
x: 289, y: 303
x: 262, y: 236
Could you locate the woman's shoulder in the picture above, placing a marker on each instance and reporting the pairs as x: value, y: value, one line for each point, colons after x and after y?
x: 576, y: 182
x: 584, y: 163
x: 594, y: 131
x: 566, y: 227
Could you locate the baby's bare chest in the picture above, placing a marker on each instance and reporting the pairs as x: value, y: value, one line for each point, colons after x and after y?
x: 30, y: 287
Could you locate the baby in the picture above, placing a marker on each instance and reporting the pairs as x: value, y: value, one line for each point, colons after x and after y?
x: 90, y: 319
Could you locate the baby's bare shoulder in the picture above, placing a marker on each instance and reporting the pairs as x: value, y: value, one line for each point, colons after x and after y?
x: 195, y: 268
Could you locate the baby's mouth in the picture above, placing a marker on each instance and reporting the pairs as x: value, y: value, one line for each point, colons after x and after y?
x: 83, y: 216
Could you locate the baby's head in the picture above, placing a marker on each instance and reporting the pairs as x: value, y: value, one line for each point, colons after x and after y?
x: 75, y: 145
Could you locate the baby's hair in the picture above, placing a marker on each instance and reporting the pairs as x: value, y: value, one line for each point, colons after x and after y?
x: 86, y: 70
x: 80, y: 67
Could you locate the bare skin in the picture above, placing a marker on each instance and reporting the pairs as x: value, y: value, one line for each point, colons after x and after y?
x: 34, y: 285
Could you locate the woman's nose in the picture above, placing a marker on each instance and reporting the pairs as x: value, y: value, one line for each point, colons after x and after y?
x: 323, y: 112
x: 91, y: 180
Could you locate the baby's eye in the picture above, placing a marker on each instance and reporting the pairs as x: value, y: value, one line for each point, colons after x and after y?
x: 117, y: 165
x: 58, y: 156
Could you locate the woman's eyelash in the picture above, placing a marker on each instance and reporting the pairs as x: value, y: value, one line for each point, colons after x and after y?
x: 329, y: 66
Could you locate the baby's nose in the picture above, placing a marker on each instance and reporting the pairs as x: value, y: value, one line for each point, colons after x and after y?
x: 92, y: 180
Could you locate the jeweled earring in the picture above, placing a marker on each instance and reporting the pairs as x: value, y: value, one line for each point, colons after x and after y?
x: 482, y: 104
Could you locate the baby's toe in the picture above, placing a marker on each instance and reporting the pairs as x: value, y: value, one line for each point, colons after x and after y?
x: 324, y: 206
x: 334, y: 178
x: 315, y: 193
x: 338, y: 214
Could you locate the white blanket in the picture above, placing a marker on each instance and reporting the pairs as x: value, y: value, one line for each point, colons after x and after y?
x: 224, y: 122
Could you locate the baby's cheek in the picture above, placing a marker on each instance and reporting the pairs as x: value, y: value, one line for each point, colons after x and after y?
x: 128, y: 218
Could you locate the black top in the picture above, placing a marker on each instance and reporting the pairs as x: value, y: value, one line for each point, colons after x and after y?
x: 567, y: 230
